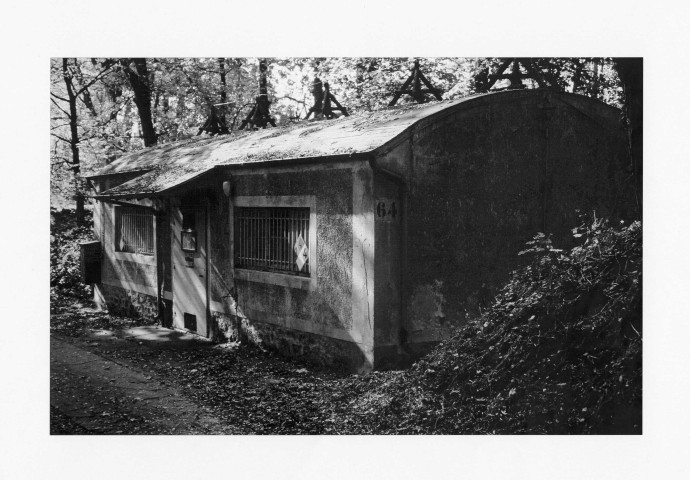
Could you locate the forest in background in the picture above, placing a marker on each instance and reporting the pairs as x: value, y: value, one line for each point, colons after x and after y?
x: 104, y: 107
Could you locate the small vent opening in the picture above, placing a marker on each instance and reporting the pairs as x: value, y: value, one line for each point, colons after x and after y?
x: 190, y: 322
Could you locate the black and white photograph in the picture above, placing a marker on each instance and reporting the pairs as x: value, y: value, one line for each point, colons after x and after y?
x: 339, y: 245
x: 345, y: 240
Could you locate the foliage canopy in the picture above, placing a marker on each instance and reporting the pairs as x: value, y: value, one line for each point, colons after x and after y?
x: 106, y: 119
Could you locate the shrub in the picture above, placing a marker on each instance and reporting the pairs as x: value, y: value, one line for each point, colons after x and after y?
x: 64, y: 254
x: 559, y: 351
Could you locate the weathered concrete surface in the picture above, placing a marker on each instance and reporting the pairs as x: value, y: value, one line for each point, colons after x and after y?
x: 387, y: 252
x: 483, y: 174
x: 318, y: 323
x: 315, y: 349
x: 130, y: 282
x: 105, y: 397
x: 484, y: 180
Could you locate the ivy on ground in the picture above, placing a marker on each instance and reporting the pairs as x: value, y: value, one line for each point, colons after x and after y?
x: 559, y: 351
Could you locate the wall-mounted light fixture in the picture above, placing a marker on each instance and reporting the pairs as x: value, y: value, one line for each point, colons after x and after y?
x: 227, y: 188
x: 188, y: 240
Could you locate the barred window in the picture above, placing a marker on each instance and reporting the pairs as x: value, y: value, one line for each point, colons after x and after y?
x: 274, y: 239
x: 134, y: 230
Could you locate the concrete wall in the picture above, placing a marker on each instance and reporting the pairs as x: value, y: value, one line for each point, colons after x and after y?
x: 328, y: 319
x: 129, y: 282
x: 303, y: 316
x: 485, y: 179
x: 388, y: 208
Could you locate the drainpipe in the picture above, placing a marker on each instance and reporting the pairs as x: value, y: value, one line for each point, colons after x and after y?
x: 404, y: 194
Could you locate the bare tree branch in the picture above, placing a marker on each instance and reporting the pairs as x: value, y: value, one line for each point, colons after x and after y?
x: 59, y: 97
x: 61, y: 109
x: 301, y: 102
x: 98, y: 76
x: 61, y: 161
x: 61, y: 138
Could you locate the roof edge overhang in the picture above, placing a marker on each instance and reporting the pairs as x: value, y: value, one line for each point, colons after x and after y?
x: 346, y: 157
x: 112, y: 174
x: 340, y: 157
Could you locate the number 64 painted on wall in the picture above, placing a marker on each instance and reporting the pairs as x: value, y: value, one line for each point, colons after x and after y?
x: 386, y: 209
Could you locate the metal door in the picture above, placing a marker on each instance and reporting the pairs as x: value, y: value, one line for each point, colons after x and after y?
x: 189, y: 259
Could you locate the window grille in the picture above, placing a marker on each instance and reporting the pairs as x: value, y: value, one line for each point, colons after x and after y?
x: 272, y: 239
x: 134, y: 230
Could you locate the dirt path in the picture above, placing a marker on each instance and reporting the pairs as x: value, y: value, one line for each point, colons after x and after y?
x: 107, y: 379
x: 92, y: 394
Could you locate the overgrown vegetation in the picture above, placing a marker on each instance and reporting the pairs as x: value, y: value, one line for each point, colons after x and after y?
x: 104, y: 107
x: 560, y: 351
x: 70, y: 299
x: 65, y: 236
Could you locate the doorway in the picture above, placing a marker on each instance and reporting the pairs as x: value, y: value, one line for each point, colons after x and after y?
x: 190, y: 269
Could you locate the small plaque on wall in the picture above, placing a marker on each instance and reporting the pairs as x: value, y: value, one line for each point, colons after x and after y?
x: 189, y: 259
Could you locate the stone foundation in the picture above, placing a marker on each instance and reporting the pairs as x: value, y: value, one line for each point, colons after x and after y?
x: 129, y: 303
x: 316, y: 349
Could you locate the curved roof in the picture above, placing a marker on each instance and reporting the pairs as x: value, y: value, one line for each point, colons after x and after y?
x: 167, y: 166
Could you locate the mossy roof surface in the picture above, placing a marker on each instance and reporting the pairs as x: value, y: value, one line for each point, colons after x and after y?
x: 167, y: 166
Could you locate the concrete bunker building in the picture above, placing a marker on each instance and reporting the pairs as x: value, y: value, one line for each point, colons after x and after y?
x: 359, y: 241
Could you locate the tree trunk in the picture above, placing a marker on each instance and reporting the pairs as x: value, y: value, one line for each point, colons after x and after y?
x: 74, y: 140
x: 85, y: 94
x: 139, y: 80
x: 222, y: 111
x: 596, y: 78
x: 223, y: 83
x: 577, y: 75
x: 630, y: 74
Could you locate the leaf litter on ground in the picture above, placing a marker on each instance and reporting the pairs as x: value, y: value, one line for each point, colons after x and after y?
x: 559, y: 351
